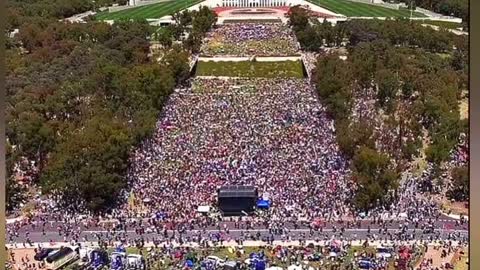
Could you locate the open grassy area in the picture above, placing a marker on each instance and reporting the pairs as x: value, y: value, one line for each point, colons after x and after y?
x: 456, y: 208
x: 356, y: 9
x: 283, y: 69
x: 462, y: 263
x: 447, y: 25
x: 129, y: 250
x: 232, y: 254
x: 359, y: 249
x: 152, y: 11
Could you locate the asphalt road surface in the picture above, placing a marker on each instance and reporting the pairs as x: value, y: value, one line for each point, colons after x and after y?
x: 444, y: 228
x: 236, y: 234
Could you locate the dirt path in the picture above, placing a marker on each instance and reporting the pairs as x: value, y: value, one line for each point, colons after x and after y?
x: 463, y: 109
x: 436, y: 256
x: 461, y: 261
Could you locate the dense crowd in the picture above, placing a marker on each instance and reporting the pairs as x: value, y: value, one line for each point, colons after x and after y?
x: 309, y: 61
x: 365, y: 109
x: 312, y: 257
x: 246, y: 39
x: 343, y: 254
x: 413, y: 200
x: 272, y: 134
x: 459, y: 157
x: 241, y: 131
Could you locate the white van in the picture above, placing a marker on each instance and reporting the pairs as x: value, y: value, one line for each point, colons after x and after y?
x: 384, y: 252
x: 218, y: 262
x: 135, y: 262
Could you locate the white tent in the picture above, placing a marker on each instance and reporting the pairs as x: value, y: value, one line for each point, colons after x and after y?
x: 294, y: 267
x: 203, y: 209
x: 274, y: 268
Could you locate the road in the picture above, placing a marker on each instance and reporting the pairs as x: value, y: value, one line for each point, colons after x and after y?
x: 443, y: 227
x: 236, y: 234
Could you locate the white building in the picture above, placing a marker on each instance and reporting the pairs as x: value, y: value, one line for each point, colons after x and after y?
x: 252, y: 3
x: 237, y: 3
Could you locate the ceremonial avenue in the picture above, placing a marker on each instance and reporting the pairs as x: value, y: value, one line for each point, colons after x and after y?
x: 412, y: 218
x: 252, y: 126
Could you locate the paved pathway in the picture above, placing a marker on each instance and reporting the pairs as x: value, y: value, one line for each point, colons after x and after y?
x: 293, y: 234
x: 247, y: 243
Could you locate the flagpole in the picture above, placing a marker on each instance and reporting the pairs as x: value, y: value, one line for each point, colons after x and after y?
x: 411, y: 9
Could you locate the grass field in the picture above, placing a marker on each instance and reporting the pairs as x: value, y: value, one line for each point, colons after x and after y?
x: 152, y: 11
x: 284, y: 69
x: 225, y: 253
x: 447, y: 25
x: 230, y: 254
x: 356, y: 9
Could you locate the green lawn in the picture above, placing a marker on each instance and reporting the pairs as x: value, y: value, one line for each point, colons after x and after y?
x: 152, y: 11
x: 447, y: 25
x: 225, y: 253
x: 129, y: 250
x: 355, y: 9
x: 359, y: 249
x: 283, y: 69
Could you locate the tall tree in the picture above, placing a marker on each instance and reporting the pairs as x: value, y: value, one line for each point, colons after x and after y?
x: 374, y: 178
x: 460, y: 185
x: 388, y: 85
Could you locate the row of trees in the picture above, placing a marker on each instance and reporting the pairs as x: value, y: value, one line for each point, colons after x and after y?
x: 415, y: 87
x: 193, y: 23
x: 372, y: 170
x: 457, y: 8
x: 401, y: 32
x: 42, y: 11
x: 80, y: 97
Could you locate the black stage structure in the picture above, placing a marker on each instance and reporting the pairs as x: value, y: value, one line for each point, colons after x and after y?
x: 235, y: 200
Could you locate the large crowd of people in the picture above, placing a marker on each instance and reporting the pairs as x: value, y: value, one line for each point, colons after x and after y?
x: 332, y: 253
x: 309, y: 61
x: 272, y: 134
x: 247, y: 39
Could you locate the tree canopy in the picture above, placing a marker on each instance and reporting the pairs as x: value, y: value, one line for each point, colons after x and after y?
x: 401, y: 66
x: 461, y: 184
x: 374, y: 178
x: 457, y: 8
x: 80, y: 97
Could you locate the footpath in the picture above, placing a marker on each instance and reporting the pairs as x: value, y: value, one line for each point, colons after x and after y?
x: 247, y: 244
